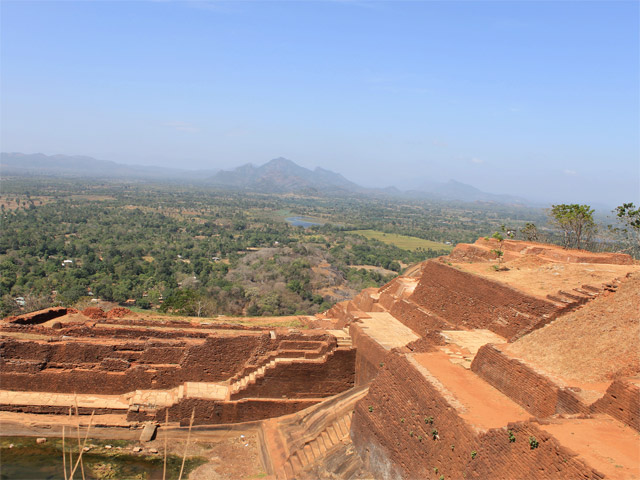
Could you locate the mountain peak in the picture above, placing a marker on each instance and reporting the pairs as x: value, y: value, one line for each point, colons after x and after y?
x: 283, y: 175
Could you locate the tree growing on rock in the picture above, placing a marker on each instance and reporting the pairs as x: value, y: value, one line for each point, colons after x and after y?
x: 576, y: 222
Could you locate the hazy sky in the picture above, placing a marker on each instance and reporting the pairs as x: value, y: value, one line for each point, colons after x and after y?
x: 539, y: 99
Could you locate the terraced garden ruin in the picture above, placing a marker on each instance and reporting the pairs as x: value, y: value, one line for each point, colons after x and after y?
x: 453, y: 370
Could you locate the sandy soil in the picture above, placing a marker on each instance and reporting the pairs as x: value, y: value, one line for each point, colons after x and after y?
x: 595, y: 343
x: 494, y: 410
x: 232, y: 456
x: 609, y: 446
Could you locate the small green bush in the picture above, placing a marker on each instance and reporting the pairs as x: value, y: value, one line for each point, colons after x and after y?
x: 370, y: 408
x: 533, y: 443
x: 473, y: 454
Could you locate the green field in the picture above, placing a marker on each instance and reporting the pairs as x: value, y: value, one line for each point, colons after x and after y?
x: 402, y: 241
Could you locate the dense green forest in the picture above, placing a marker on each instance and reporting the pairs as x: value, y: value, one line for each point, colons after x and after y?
x: 198, y: 251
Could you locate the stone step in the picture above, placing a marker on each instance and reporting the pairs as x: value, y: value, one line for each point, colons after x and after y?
x: 309, y: 454
x: 317, y: 449
x: 340, y: 429
x: 288, y: 471
x: 296, y: 462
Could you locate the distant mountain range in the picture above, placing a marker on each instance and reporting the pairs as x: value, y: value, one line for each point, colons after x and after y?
x: 279, y: 175
x: 282, y: 175
x: 89, y: 167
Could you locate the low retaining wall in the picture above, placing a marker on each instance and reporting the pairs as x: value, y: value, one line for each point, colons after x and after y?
x: 208, y: 412
x: 536, y: 393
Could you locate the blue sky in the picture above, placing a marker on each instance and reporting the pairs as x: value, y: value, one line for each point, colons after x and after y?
x: 539, y: 99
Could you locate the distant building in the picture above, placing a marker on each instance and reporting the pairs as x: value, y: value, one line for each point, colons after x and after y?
x: 67, y: 262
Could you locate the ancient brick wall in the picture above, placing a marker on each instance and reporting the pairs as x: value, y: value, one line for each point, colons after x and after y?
x: 369, y: 355
x: 389, y: 429
x: 470, y: 301
x: 621, y: 401
x: 208, y: 412
x: 417, y: 319
x: 363, y: 301
x: 535, y: 393
x: 305, y: 380
x: 113, y: 368
x: 405, y: 428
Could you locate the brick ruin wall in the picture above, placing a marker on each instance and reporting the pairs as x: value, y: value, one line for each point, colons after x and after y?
x: 394, y: 426
x: 369, y: 355
x: 305, y: 380
x: 207, y: 412
x: 469, y: 301
x: 416, y: 318
x: 621, y: 401
x: 535, y: 392
x: 123, y: 364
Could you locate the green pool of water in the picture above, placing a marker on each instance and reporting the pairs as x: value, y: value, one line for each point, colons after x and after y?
x: 32, y: 461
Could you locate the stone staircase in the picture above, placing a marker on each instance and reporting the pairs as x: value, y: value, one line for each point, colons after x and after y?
x: 344, y: 342
x: 312, y: 434
x: 580, y: 296
x: 252, y: 377
x: 289, y: 357
x: 315, y: 449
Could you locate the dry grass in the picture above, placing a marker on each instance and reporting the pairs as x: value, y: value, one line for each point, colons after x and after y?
x: 402, y: 241
x: 595, y: 343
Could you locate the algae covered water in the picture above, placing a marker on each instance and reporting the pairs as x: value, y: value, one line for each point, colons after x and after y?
x: 27, y: 460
